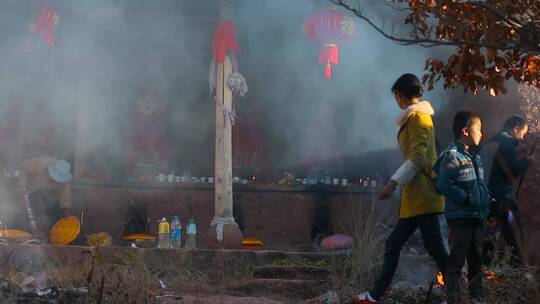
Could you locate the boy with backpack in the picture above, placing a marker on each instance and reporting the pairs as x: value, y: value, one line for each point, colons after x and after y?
x: 460, y: 179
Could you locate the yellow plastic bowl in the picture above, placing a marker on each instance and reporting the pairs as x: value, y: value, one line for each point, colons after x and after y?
x: 14, y: 234
x: 65, y: 231
x: 251, y: 242
x: 141, y: 236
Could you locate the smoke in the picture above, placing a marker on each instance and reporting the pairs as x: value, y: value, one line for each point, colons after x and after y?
x: 351, y: 117
x: 312, y: 118
x: 84, y: 99
x: 79, y: 99
x: 107, y: 55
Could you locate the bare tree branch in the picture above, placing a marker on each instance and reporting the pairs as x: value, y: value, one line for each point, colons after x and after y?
x: 390, y: 4
x: 404, y: 41
x: 494, y: 40
x: 428, y: 40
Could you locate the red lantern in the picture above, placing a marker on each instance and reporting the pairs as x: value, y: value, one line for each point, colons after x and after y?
x: 45, y: 24
x: 329, y: 27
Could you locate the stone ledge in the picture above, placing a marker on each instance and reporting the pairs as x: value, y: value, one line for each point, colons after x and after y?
x: 351, y: 188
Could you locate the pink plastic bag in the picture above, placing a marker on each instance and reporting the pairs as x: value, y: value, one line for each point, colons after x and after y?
x: 337, y: 241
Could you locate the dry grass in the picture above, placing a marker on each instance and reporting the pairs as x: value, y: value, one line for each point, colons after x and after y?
x: 127, y: 276
x: 357, y: 271
x: 119, y: 277
x: 369, y: 228
x: 513, y: 285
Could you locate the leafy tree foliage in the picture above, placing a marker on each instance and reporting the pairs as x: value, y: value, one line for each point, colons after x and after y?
x: 494, y: 40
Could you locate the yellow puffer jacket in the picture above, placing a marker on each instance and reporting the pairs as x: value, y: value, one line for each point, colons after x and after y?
x: 416, y: 140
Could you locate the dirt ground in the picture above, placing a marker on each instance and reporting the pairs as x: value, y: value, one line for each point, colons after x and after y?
x: 221, y: 299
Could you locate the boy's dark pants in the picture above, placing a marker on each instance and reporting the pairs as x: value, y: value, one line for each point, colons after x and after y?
x: 465, y: 242
x: 430, y: 228
x: 512, y: 232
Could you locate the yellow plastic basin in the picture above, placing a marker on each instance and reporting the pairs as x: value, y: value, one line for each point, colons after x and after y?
x: 65, y: 231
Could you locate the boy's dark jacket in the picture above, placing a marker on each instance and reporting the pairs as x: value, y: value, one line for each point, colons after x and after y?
x: 499, y: 185
x: 460, y: 177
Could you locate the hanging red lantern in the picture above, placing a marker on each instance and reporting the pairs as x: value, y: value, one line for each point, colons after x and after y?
x: 45, y: 24
x: 328, y: 27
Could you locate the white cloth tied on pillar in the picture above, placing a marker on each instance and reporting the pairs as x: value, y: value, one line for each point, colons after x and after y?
x: 227, y: 115
x: 212, y: 76
x: 219, y: 222
x: 237, y: 83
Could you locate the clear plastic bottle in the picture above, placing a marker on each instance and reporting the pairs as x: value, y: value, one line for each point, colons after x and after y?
x: 164, y: 234
x: 176, y: 232
x: 191, y: 234
x: 170, y: 177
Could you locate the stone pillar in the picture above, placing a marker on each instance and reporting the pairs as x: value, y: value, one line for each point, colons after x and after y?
x: 226, y: 231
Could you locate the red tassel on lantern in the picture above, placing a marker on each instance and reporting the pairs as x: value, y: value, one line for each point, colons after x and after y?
x: 328, y: 71
x: 329, y: 54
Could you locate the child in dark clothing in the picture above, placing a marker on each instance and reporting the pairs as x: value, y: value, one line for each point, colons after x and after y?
x: 461, y: 180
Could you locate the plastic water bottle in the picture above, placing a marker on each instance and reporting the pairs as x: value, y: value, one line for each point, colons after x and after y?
x: 170, y: 178
x: 164, y: 234
x: 191, y: 234
x: 176, y: 232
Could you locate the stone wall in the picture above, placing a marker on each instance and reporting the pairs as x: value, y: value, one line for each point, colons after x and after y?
x: 284, y: 218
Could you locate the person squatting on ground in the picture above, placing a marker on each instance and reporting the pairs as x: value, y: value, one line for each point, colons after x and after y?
x: 505, y: 173
x: 44, y: 186
x: 420, y: 204
x: 460, y: 178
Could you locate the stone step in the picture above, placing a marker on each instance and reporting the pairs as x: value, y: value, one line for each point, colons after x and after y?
x: 291, y: 272
x: 267, y: 257
x: 294, y: 289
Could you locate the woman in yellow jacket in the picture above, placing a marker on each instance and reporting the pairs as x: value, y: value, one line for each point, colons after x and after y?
x: 420, y: 204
